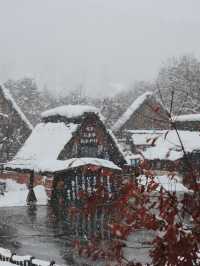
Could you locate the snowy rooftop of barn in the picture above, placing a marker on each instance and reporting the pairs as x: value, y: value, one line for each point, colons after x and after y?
x: 143, y: 137
x: 166, y: 182
x: 131, y: 110
x: 189, y: 117
x: 167, y: 146
x: 70, y: 111
x: 9, y: 98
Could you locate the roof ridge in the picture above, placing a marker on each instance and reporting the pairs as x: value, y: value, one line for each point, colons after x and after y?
x: 70, y: 110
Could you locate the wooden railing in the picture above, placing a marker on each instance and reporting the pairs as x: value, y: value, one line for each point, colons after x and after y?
x: 8, y: 256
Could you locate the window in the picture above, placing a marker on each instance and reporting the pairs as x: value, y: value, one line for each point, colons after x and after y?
x: 158, y: 165
x: 135, y: 162
x: 88, y: 151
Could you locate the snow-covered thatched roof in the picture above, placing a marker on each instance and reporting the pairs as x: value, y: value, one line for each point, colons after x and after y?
x: 70, y: 111
x: 167, y: 146
x: 41, y: 150
x: 48, y: 139
x: 188, y: 117
x: 14, y: 105
x: 131, y: 110
x: 44, y: 144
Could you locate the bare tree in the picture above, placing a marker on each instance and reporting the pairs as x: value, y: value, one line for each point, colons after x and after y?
x: 182, y: 77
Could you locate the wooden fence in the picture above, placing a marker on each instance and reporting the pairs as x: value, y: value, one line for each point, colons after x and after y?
x: 8, y: 256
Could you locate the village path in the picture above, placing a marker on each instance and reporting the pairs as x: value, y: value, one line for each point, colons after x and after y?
x: 36, y: 232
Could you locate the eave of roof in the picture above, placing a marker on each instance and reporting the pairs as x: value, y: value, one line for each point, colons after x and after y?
x: 56, y: 166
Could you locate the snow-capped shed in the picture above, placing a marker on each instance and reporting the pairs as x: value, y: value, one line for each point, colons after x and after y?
x: 146, y: 112
x: 140, y: 140
x: 168, y: 147
x: 189, y: 122
x: 166, y: 153
x: 14, y: 126
x: 167, y: 182
x: 69, y: 139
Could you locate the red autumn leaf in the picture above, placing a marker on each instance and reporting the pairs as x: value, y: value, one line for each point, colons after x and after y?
x: 76, y: 244
x: 156, y: 108
x: 81, y: 194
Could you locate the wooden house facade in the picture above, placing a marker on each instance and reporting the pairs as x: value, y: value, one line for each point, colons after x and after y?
x: 144, y: 116
x: 71, y: 184
x: 73, y: 146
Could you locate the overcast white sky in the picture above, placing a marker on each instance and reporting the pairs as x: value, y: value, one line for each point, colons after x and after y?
x: 63, y: 43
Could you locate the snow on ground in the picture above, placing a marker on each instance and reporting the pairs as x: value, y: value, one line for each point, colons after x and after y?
x: 138, y: 247
x: 16, y: 194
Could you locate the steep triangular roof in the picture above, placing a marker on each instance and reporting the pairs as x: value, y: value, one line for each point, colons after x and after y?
x: 131, y: 110
x: 12, y: 103
x: 42, y: 149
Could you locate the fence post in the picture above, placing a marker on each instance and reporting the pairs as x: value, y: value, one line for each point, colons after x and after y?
x: 30, y: 261
x: 23, y: 261
x: 11, y: 257
x: 52, y: 263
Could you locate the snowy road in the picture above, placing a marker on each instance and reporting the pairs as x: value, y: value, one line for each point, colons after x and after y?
x: 36, y: 232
